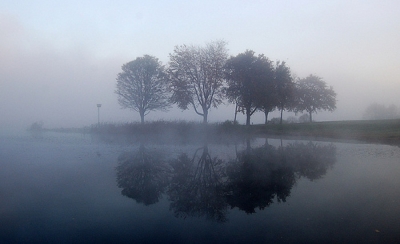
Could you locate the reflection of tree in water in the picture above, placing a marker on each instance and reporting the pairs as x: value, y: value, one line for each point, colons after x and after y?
x: 311, y: 160
x: 260, y: 175
x: 202, y: 186
x: 196, y: 187
x: 257, y: 177
x: 142, y: 175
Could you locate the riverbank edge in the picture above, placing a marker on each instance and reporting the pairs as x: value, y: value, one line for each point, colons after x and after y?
x: 367, y: 131
x: 370, y: 131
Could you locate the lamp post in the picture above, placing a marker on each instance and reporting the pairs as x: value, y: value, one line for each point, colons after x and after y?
x: 98, y: 114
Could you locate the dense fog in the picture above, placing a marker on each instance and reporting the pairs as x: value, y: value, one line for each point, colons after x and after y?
x: 58, y: 60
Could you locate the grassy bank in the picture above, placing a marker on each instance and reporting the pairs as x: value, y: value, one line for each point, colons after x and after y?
x: 375, y: 131
x: 380, y: 131
x: 180, y: 132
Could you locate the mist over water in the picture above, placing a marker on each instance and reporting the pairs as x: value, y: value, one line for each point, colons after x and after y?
x: 182, y: 184
x: 57, y: 186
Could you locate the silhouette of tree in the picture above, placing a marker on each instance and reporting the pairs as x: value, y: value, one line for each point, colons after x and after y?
x: 285, y: 87
x: 196, y: 75
x: 142, y: 86
x: 312, y: 94
x: 196, y: 188
x: 250, y: 82
x: 142, y: 175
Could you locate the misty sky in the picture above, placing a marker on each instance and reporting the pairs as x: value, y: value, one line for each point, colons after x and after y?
x: 58, y: 59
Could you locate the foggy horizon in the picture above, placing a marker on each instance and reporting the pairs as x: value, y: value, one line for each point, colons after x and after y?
x: 58, y: 60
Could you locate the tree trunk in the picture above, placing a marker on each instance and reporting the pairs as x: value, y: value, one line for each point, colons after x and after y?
x: 205, y: 116
x: 310, y: 117
x: 266, y: 117
x: 248, y: 117
x: 281, y: 116
x: 141, y: 117
x: 234, y: 120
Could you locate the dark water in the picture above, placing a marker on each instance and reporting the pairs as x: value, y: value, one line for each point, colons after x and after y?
x: 58, y: 188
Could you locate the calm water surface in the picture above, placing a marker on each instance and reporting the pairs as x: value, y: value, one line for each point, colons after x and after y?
x: 63, y: 188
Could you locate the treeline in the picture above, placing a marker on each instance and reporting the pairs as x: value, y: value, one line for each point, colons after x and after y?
x: 201, y: 77
x: 377, y: 111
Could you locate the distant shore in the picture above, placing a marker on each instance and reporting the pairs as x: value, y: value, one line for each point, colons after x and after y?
x: 370, y: 131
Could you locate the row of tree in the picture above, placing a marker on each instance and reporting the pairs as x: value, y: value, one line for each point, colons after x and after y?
x: 204, y: 77
x: 203, y: 185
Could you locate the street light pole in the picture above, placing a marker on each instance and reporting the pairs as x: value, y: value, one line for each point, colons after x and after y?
x: 98, y: 114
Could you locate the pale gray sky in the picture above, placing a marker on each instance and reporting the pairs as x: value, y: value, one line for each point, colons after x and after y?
x: 58, y: 59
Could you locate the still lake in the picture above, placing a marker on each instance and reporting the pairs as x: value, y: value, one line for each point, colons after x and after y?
x: 71, y: 188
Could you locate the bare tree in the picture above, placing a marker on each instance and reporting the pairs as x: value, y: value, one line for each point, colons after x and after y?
x: 196, y: 75
x: 142, y: 86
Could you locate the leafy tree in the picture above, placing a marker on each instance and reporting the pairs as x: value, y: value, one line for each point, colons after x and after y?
x: 269, y: 98
x: 196, y: 75
x: 142, y: 86
x: 313, y: 94
x: 284, y: 87
x: 248, y: 78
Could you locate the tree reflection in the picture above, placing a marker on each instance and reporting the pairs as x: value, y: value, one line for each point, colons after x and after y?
x: 260, y: 175
x: 196, y: 187
x: 311, y: 160
x: 205, y: 186
x: 142, y: 175
x: 257, y: 177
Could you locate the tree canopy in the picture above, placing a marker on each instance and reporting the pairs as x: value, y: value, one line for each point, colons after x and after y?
x: 284, y: 87
x: 312, y: 94
x: 142, y: 86
x: 249, y: 80
x: 196, y: 76
x: 201, y: 77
